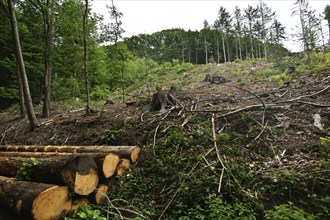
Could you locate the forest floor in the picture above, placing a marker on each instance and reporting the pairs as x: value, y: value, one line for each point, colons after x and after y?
x: 291, y: 119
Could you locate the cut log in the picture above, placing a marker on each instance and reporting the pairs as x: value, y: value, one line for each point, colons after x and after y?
x: 80, y: 174
x: 99, y: 196
x: 129, y: 152
x: 107, y: 162
x: 35, y: 200
x: 79, y: 202
x: 123, y: 165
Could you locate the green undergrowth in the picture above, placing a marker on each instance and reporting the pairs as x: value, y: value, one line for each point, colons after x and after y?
x: 178, y: 177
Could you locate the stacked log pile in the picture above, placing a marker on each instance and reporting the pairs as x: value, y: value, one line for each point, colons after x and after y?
x: 64, y: 178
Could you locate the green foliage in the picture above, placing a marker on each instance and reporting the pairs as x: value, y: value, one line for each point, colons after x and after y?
x: 26, y: 169
x: 281, y: 79
x: 216, y: 208
x: 100, y: 92
x: 288, y: 211
x: 88, y: 212
x: 110, y: 135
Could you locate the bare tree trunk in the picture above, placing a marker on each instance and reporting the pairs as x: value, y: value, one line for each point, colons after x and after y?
x: 252, y: 52
x: 20, y: 92
x: 236, y: 47
x: 19, y: 58
x: 49, y: 32
x: 183, y: 49
x: 122, y: 72
x: 240, y: 47
x: 189, y: 54
x: 85, y: 30
x: 218, y: 49
x: 329, y: 30
x: 196, y: 54
x: 228, y: 50
x: 224, y: 48
x: 206, y: 56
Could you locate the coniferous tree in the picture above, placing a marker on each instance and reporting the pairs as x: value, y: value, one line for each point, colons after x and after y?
x: 222, y: 24
x: 301, y: 11
x: 205, y: 31
x: 238, y: 30
x: 251, y: 14
x: 266, y: 16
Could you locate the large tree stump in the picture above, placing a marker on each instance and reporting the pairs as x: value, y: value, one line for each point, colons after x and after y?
x: 129, y: 152
x: 160, y: 100
x: 34, y: 200
x: 80, y: 174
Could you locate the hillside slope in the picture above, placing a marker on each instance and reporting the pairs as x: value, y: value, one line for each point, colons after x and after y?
x: 249, y: 145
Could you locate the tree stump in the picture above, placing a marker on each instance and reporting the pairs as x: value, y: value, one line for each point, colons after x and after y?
x: 160, y: 100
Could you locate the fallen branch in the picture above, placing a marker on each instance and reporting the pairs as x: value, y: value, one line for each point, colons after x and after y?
x: 305, y: 96
x: 154, y: 144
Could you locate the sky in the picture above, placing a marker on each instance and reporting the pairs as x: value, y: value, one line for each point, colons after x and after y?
x: 149, y: 16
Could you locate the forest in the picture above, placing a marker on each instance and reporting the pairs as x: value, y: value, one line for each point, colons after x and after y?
x: 52, y: 44
x: 247, y: 136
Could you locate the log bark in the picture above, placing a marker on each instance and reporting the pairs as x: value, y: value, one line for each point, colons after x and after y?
x: 123, y: 165
x: 99, y: 196
x: 35, y: 200
x: 107, y: 162
x: 80, y: 174
x: 129, y: 152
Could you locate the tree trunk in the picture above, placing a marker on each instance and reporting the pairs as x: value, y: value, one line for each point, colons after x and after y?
x: 35, y: 200
x: 49, y: 33
x: 85, y: 30
x: 240, y: 47
x: 329, y: 31
x: 129, y: 152
x: 228, y: 50
x: 19, y: 58
x: 206, y: 55
x: 252, y: 51
x: 20, y: 93
x: 78, y: 173
x: 189, y: 54
x: 224, y: 48
x: 218, y: 49
x: 236, y: 48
